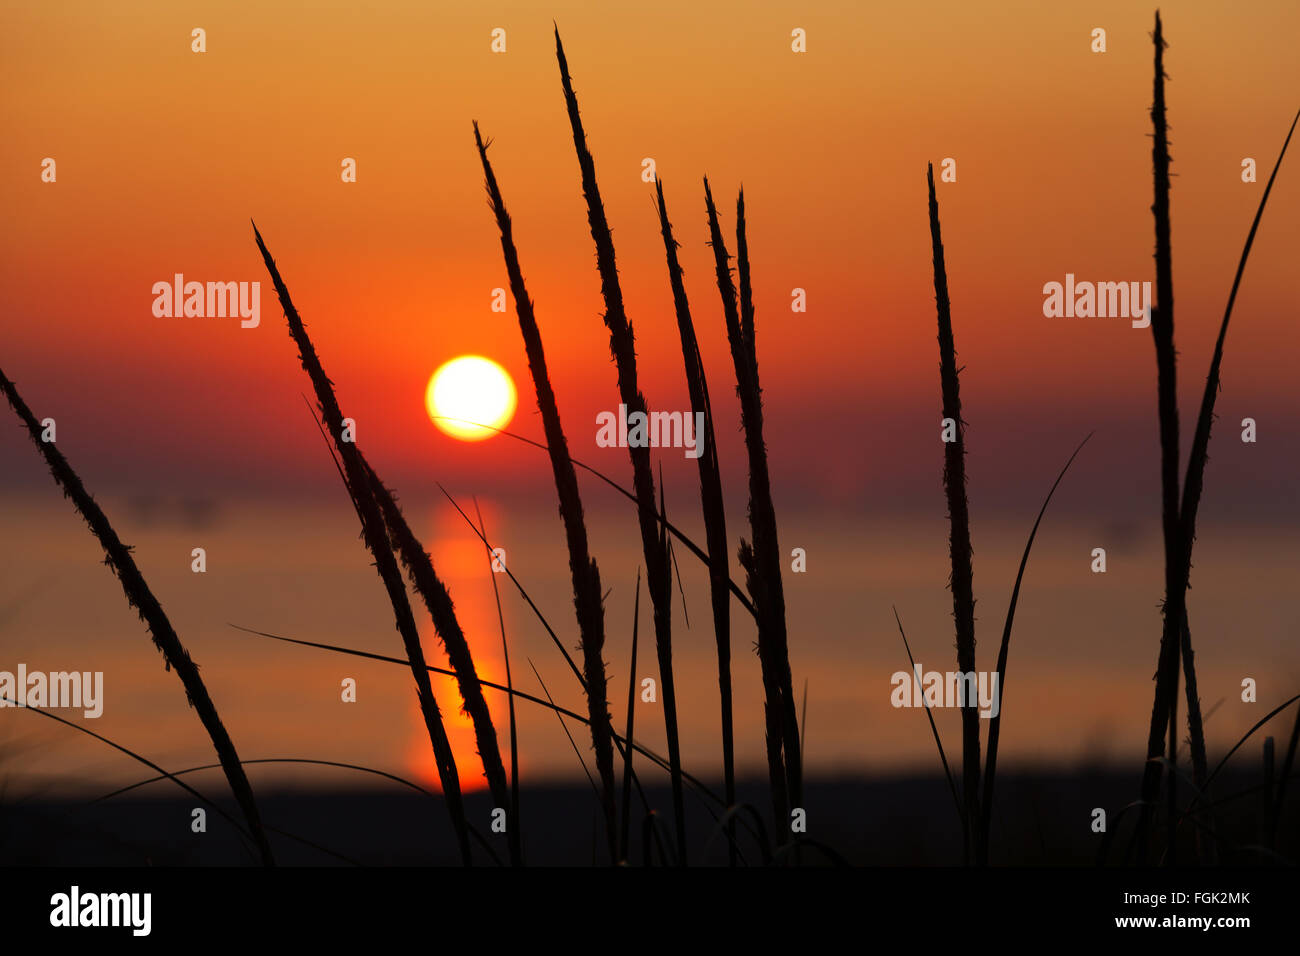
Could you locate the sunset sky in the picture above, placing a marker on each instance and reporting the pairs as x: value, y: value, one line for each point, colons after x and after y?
x: 164, y: 155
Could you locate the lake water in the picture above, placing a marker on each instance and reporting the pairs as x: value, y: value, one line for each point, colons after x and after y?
x: 1078, y: 685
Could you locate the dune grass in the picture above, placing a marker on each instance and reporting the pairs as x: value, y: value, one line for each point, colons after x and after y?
x: 394, y: 546
x: 765, y: 566
x: 1194, y: 483
x: 711, y: 502
x: 974, y: 809
x: 959, y: 544
x: 583, y: 570
x: 419, y: 567
x: 780, y: 725
x: 622, y: 346
x: 118, y: 558
x: 362, y: 491
x: 1178, y: 517
x: 420, y: 571
x: 1162, y: 332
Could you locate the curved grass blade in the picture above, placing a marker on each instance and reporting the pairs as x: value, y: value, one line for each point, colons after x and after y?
x: 578, y: 753
x: 995, y: 724
x: 515, y: 837
x: 1195, y: 480
x: 164, y: 775
x: 1237, y: 746
x: 646, y: 752
x: 290, y: 760
x: 947, y: 771
x: 1194, y: 484
x: 625, y: 832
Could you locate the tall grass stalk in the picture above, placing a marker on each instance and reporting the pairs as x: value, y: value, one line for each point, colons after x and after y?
x: 582, y: 566
x: 1179, y: 518
x: 766, y: 551
x: 622, y: 346
x: 419, y: 569
x: 118, y: 557
x: 1162, y: 332
x: 361, y: 490
x: 711, y: 501
x: 959, y: 546
x: 774, y: 708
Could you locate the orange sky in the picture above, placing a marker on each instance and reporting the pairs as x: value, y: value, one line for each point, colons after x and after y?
x: 164, y: 154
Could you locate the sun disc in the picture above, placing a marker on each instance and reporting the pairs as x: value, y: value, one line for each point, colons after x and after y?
x: 467, y: 393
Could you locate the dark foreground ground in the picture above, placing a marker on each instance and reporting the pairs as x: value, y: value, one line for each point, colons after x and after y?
x: 1040, y: 818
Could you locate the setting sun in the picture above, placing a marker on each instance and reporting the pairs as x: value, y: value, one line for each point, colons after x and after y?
x: 468, y: 392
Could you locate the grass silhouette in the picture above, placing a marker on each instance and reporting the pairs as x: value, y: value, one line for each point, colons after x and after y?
x: 622, y: 346
x: 764, y: 586
x: 362, y: 490
x: 582, y: 566
x: 394, y: 546
x: 711, y: 502
x: 1178, y: 518
x: 118, y: 557
x: 959, y: 546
